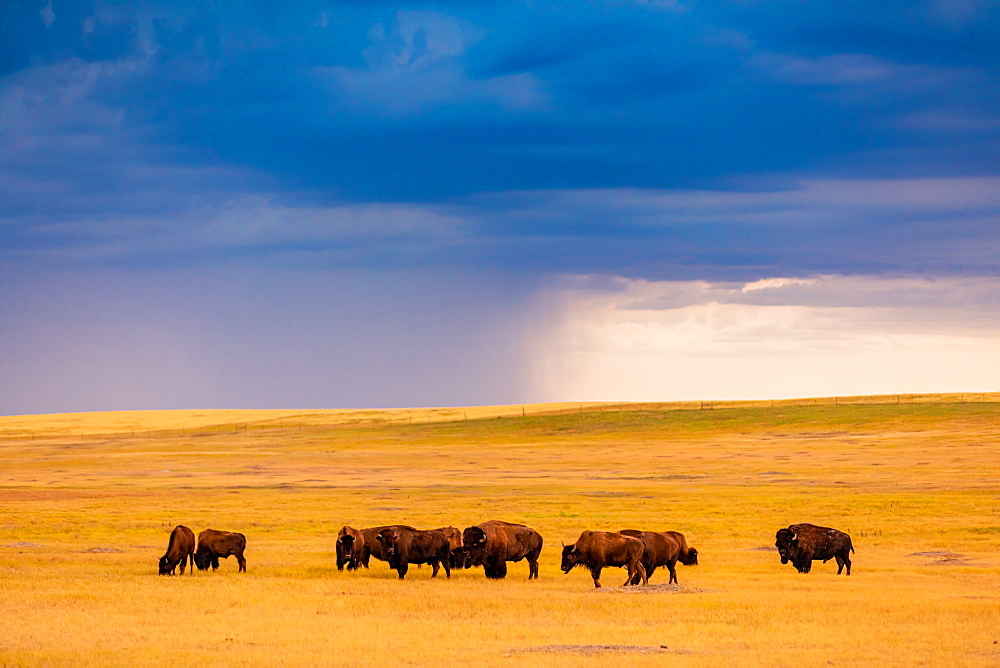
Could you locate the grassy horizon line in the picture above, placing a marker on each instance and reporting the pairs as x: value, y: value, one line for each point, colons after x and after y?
x: 183, y: 422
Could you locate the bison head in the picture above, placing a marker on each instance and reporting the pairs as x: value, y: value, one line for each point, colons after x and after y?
x: 202, y: 560
x: 787, y: 543
x: 569, y: 558
x: 388, y: 539
x: 473, y: 546
x: 459, y: 558
x: 691, y: 558
x: 345, y: 549
x: 165, y: 566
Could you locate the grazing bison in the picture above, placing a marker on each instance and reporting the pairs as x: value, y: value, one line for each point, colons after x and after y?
x: 688, y: 555
x: 180, y: 547
x: 660, y: 549
x: 214, y: 544
x: 493, y: 543
x: 350, y: 542
x: 402, y: 547
x: 802, y: 544
x: 597, y: 549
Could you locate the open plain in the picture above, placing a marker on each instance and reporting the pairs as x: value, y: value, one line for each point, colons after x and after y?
x: 87, y: 503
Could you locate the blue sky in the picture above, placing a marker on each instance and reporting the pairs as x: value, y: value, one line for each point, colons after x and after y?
x: 321, y: 204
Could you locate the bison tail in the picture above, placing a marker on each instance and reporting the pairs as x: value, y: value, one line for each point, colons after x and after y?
x: 852, y: 548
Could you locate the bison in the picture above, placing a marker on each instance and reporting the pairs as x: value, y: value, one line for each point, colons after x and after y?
x: 661, y: 549
x: 402, y: 547
x: 597, y: 549
x: 350, y: 543
x: 371, y: 547
x: 179, y: 549
x: 802, y: 544
x: 214, y: 544
x: 493, y: 543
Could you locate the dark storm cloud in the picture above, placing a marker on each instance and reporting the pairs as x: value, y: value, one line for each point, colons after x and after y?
x: 376, y: 101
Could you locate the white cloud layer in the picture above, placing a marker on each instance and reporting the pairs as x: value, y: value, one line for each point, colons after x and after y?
x: 625, y: 340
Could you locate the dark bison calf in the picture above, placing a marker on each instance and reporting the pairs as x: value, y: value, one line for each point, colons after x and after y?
x: 179, y: 549
x: 402, y: 547
x: 597, y: 549
x: 350, y: 544
x: 802, y: 544
x: 214, y: 544
x: 454, y: 537
x: 495, y: 542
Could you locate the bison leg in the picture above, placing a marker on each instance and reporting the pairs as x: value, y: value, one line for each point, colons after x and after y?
x: 183, y: 563
x: 843, y: 560
x: 434, y: 569
x: 533, y: 567
x: 636, y: 574
x: 496, y: 570
x: 402, y: 568
x: 672, y: 567
x: 649, y: 573
x: 242, y: 562
x: 595, y: 572
x: 215, y: 563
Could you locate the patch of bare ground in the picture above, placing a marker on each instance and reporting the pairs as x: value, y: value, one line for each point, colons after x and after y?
x: 653, y: 589
x: 944, y: 558
x: 593, y: 650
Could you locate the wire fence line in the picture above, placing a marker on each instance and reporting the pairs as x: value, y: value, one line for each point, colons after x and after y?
x: 458, y: 415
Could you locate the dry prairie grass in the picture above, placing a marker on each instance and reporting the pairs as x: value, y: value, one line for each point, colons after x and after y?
x: 915, y: 485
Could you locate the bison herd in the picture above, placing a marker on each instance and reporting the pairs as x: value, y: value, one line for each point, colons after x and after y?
x: 493, y: 544
x: 212, y: 545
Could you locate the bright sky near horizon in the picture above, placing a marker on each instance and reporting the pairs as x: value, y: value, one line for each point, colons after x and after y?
x: 339, y: 204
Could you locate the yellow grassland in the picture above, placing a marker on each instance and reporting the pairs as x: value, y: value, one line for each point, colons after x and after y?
x: 84, y: 518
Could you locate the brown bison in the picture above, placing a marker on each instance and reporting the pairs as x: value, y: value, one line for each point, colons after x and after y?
x: 493, y: 543
x: 661, y: 549
x: 402, y: 547
x: 350, y: 542
x: 802, y: 544
x: 597, y: 549
x: 371, y: 547
x: 179, y: 549
x: 214, y: 544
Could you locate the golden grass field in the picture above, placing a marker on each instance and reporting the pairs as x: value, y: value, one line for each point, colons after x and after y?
x: 84, y: 518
